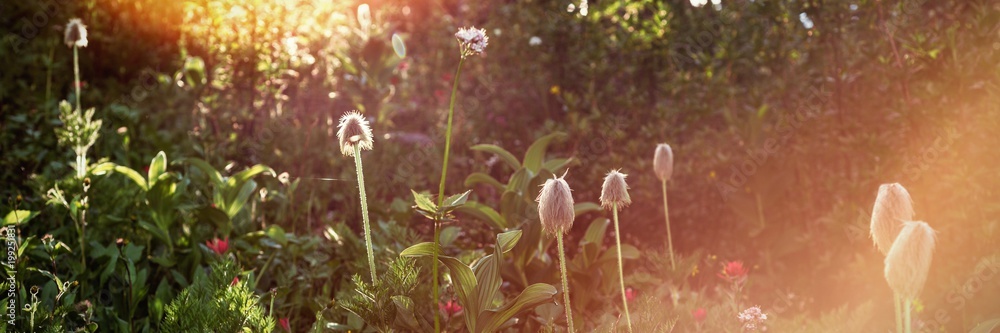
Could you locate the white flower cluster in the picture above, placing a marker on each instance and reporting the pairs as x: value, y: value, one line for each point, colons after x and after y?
x: 473, y: 41
x: 753, y: 319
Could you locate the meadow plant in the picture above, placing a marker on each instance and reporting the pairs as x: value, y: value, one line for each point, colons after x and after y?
x: 555, y: 211
x: 663, y: 166
x: 471, y: 42
x: 907, y: 265
x: 354, y: 135
x: 893, y: 207
x: 614, y: 196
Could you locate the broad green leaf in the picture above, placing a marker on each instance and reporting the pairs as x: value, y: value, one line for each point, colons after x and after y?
x: 504, y: 155
x: 462, y: 275
x: 507, y: 240
x: 206, y: 168
x: 18, y: 217
x: 629, y: 252
x: 488, y: 276
x: 157, y: 167
x: 216, y: 217
x: 519, y: 181
x: 479, y: 177
x: 235, y: 204
x: 484, y: 213
x: 986, y: 326
x: 585, y: 207
x: 531, y: 297
x: 448, y: 235
x: 555, y: 165
x: 536, y: 152
x: 277, y: 234
x: 155, y: 230
x: 595, y: 232
x: 245, y: 175
x: 423, y: 202
x: 455, y: 200
x: 102, y: 168
x: 134, y: 176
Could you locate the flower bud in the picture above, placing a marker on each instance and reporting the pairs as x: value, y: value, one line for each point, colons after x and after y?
x: 663, y: 162
x: 893, y: 206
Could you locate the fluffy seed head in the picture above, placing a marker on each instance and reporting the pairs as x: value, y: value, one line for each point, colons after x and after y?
x: 909, y: 259
x: 614, y: 192
x: 76, y: 33
x: 555, y: 206
x: 893, y: 206
x: 663, y: 162
x: 472, y: 41
x: 354, y: 130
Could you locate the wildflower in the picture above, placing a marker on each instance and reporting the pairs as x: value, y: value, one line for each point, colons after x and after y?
x: 734, y: 271
x: 473, y: 41
x: 893, y: 206
x: 76, y: 33
x: 449, y: 308
x: 699, y: 314
x: 236, y: 280
x: 630, y: 294
x: 284, y: 324
x: 909, y: 259
x: 554, y: 90
x: 663, y: 162
x: 535, y: 41
x: 614, y: 192
x: 555, y: 206
x: 753, y: 318
x: 354, y: 130
x: 219, y: 246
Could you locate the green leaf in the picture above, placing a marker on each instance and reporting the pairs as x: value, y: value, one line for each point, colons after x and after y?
x: 277, y: 234
x: 504, y: 155
x: 206, y: 168
x: 536, y: 152
x: 156, y: 167
x: 595, y: 232
x: 216, y: 217
x: 245, y: 175
x: 102, y: 168
x: 484, y: 213
x: 18, y: 217
x: 531, y: 297
x: 508, y: 240
x: 462, y: 275
x: 479, y: 177
x: 519, y: 181
x: 555, y: 165
x: 134, y: 176
x: 235, y: 203
x: 455, y: 201
x: 423, y: 202
x: 585, y: 207
x: 986, y: 326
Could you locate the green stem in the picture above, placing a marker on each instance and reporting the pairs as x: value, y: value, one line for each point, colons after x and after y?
x: 444, y: 175
x: 899, y: 315
x: 565, y: 284
x: 76, y: 71
x: 364, y: 209
x: 621, y: 269
x: 670, y: 239
x: 907, y: 322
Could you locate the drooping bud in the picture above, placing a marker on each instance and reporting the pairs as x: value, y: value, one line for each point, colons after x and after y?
x: 893, y: 206
x: 663, y: 162
x: 76, y: 33
x: 909, y: 259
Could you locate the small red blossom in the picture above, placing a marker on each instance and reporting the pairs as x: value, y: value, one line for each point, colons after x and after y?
x: 734, y: 271
x: 450, y: 308
x: 219, y: 246
x: 236, y: 280
x: 630, y: 294
x: 699, y: 314
x: 145, y: 169
x: 284, y: 324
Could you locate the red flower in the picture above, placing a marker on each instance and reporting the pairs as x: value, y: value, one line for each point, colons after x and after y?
x: 734, y: 271
x: 630, y: 294
x: 219, y: 246
x: 284, y: 324
x: 236, y: 280
x: 699, y: 314
x: 450, y: 308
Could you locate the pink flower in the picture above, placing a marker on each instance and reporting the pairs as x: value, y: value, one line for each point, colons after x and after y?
x: 630, y: 294
x: 699, y: 314
x: 450, y: 308
x: 284, y: 324
x: 219, y: 246
x: 236, y: 280
x: 734, y: 271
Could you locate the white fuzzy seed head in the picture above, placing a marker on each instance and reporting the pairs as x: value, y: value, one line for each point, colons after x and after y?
x: 76, y: 33
x: 909, y: 259
x: 614, y: 192
x: 663, y: 162
x: 354, y: 130
x: 893, y: 206
x: 555, y: 206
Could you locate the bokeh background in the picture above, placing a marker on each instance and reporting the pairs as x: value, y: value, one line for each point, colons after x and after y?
x: 784, y: 117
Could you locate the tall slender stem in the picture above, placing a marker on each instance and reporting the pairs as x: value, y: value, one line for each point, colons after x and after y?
x: 364, y: 210
x: 76, y: 72
x: 444, y: 176
x: 670, y: 239
x: 621, y: 269
x: 899, y: 314
x: 565, y: 284
x: 907, y: 322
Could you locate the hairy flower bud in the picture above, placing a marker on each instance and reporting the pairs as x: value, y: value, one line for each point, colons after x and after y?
x: 663, y: 162
x: 614, y: 192
x: 555, y: 206
x: 354, y: 130
x: 76, y: 33
x: 909, y: 259
x: 893, y: 206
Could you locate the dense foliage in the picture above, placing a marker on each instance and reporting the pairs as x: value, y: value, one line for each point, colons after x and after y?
x: 207, y: 131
